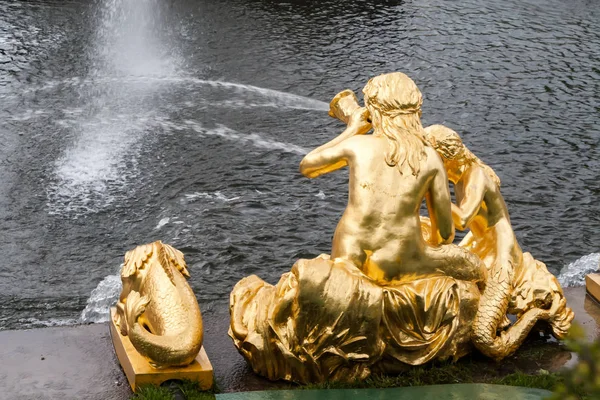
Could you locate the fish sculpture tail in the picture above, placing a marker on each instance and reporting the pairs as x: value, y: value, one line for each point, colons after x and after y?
x: 171, y: 350
x: 491, y: 316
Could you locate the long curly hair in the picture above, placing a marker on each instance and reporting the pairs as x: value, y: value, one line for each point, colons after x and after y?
x: 450, y: 147
x: 397, y: 100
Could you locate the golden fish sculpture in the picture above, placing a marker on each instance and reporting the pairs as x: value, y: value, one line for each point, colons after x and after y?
x: 395, y: 290
x: 157, y: 319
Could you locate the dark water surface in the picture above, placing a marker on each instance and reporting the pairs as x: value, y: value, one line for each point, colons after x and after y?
x: 124, y: 122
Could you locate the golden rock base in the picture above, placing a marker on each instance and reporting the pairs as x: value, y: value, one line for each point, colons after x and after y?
x: 328, y: 321
x: 140, y: 372
x: 592, y: 285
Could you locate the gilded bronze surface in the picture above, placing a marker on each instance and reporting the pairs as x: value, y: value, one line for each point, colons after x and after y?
x: 325, y: 320
x: 157, y: 308
x: 391, y: 172
x: 395, y: 291
x: 517, y: 283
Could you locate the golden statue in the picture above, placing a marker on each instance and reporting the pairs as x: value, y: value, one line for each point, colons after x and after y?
x: 391, y: 172
x: 395, y: 290
x: 517, y: 283
x: 156, y: 326
x: 157, y: 308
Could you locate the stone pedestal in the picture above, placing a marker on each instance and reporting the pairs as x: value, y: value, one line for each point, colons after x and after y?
x: 592, y: 285
x: 140, y: 372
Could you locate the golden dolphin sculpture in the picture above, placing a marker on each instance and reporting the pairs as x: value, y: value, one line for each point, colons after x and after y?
x: 157, y: 308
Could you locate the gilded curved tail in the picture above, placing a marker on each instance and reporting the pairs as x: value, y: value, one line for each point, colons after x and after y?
x: 492, y: 313
x: 172, y: 350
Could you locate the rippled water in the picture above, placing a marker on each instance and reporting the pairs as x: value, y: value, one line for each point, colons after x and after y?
x: 123, y: 122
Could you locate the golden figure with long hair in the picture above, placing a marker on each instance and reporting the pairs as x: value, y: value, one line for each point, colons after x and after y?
x: 391, y: 172
x: 481, y: 208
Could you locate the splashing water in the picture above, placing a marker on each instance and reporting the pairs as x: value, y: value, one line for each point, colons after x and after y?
x: 102, y: 298
x: 95, y: 166
x: 90, y: 174
x: 574, y: 274
x: 132, y: 65
x: 128, y: 39
x: 253, y: 138
x: 32, y: 322
x: 162, y: 223
x: 190, y: 197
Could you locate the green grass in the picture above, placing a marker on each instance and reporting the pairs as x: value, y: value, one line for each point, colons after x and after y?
x: 187, y: 390
x: 544, y: 380
x: 153, y: 393
x: 417, y: 376
x: 440, y: 375
x: 191, y: 391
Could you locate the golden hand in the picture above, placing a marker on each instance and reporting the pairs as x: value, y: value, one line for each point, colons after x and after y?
x: 457, y: 217
x: 558, y: 305
x: 360, y: 121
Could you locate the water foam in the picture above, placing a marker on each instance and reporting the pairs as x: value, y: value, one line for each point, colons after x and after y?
x: 190, y: 197
x: 162, y: 223
x: 127, y: 39
x: 28, y: 115
x: 28, y: 323
x: 132, y: 61
x: 574, y: 274
x: 91, y: 174
x: 101, y: 299
x: 95, y: 168
x: 95, y: 163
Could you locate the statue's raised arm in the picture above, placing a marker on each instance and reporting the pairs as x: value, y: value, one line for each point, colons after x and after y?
x: 334, y: 154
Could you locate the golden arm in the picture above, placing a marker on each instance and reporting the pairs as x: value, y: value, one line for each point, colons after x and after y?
x: 464, y: 213
x: 332, y: 155
x: 438, y: 205
x: 326, y: 158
